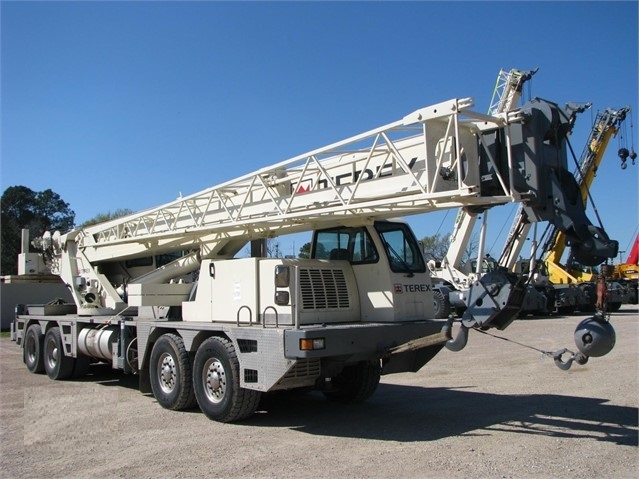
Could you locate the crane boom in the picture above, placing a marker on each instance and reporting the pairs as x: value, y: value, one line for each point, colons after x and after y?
x: 441, y: 156
x: 604, y: 127
x: 508, y: 89
x: 386, y: 172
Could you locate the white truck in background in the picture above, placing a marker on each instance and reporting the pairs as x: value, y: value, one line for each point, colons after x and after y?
x: 159, y: 293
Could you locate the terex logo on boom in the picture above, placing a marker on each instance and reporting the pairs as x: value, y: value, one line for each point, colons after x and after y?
x: 349, y: 177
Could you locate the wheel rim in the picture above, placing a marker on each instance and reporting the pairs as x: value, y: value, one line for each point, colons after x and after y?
x: 52, y: 353
x: 214, y: 380
x: 167, y: 373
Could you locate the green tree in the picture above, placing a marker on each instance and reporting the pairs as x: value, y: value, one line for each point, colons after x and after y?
x: 108, y: 216
x: 38, y: 211
x: 305, y: 251
x: 436, y: 246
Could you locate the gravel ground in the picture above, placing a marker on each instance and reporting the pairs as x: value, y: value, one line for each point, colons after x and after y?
x: 495, y: 410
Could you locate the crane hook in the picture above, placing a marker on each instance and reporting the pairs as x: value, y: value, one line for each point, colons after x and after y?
x: 623, y: 153
x: 460, y: 341
x: 565, y: 365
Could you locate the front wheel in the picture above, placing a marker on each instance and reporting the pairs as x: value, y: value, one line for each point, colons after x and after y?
x: 216, y: 381
x: 56, y: 364
x: 170, y: 373
x: 32, y: 349
x: 355, y: 383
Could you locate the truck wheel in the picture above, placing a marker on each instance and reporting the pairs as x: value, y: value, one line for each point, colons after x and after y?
x: 355, y: 383
x: 170, y: 373
x: 614, y: 306
x: 32, y: 349
x: 81, y: 366
x: 441, y: 307
x: 566, y: 310
x: 216, y: 380
x: 56, y: 364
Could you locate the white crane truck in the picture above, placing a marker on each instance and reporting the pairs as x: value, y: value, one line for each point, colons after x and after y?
x: 210, y: 329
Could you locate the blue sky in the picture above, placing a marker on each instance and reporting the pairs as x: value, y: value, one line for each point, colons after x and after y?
x: 127, y: 105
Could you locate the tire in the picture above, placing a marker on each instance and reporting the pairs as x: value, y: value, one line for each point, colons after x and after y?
x: 441, y: 308
x: 56, y: 364
x: 81, y: 367
x: 355, y: 383
x: 566, y: 310
x: 216, y: 380
x: 613, y: 307
x: 32, y: 349
x: 170, y: 373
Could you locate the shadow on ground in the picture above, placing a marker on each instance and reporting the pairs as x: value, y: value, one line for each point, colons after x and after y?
x: 407, y: 413
x: 410, y: 413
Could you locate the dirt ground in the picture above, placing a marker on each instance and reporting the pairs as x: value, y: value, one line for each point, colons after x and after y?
x: 494, y: 410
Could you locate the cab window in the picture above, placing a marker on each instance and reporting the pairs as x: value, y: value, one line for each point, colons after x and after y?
x: 351, y: 244
x: 402, y: 249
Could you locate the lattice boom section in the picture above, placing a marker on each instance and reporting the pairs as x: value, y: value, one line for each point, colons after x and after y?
x: 394, y: 169
x: 323, y: 289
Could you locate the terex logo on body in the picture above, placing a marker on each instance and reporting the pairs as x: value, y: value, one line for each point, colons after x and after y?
x: 411, y: 288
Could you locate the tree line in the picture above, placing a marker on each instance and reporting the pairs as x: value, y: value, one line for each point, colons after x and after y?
x: 37, y: 211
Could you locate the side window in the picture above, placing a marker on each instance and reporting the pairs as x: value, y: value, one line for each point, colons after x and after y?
x: 331, y: 244
x: 402, y: 249
x: 351, y: 244
x: 363, y: 249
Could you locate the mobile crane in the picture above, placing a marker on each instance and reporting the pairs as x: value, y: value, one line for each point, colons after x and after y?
x: 570, y: 287
x: 218, y: 331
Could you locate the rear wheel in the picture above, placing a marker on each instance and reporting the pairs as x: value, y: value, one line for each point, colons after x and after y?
x: 170, y: 373
x: 355, y: 383
x: 56, y: 364
x: 32, y: 349
x: 216, y: 380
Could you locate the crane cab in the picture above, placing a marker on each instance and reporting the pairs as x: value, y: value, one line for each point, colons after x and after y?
x: 372, y: 273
